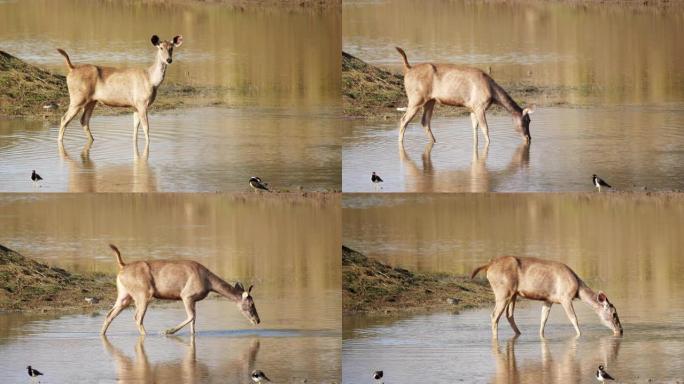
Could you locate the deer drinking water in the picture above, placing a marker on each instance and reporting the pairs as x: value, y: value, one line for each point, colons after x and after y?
x: 116, y: 87
x: 460, y: 86
x: 184, y: 280
x: 548, y: 281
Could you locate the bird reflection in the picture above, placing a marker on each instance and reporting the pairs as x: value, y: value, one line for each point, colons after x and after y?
x: 139, y: 369
x: 477, y: 178
x: 566, y: 367
x: 84, y: 176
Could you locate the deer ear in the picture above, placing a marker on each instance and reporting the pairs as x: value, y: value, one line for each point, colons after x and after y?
x: 178, y: 41
x: 245, y: 294
x: 239, y: 286
x: 528, y: 110
x: 155, y: 40
x: 250, y: 289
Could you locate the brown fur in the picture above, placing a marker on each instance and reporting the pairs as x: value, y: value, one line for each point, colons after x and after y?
x: 116, y: 87
x: 460, y: 86
x: 544, y: 280
x: 183, y: 280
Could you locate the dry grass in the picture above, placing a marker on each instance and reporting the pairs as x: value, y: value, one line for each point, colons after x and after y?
x: 29, y: 286
x: 371, y: 287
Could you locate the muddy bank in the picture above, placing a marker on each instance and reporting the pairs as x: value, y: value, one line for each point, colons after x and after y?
x: 370, y: 92
x: 29, y: 286
x: 371, y: 287
x: 27, y: 90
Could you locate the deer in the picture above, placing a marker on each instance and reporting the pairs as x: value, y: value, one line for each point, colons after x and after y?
x: 180, y: 280
x: 548, y: 281
x: 427, y: 84
x: 116, y: 87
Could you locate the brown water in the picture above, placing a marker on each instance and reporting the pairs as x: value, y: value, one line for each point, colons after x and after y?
x: 262, y: 56
x: 287, y: 246
x: 201, y: 149
x: 617, y: 73
x: 629, y: 246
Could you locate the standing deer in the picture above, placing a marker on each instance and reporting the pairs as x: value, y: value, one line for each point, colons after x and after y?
x: 185, y: 280
x: 460, y: 86
x: 116, y: 87
x: 548, y: 281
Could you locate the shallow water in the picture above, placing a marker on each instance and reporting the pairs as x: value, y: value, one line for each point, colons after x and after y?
x: 286, y: 246
x: 616, y: 71
x: 201, y: 149
x: 625, y: 245
x: 261, y: 56
x: 631, y: 147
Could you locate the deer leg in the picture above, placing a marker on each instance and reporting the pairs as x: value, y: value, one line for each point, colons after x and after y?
x: 482, y: 122
x: 85, y: 118
x: 121, y: 303
x: 136, y: 124
x: 189, y: 304
x: 509, y: 315
x: 408, y: 116
x: 66, y: 119
x: 499, y: 307
x: 427, y: 117
x: 141, y: 304
x: 473, y: 121
x: 570, y: 312
x: 546, y: 308
x: 145, y: 124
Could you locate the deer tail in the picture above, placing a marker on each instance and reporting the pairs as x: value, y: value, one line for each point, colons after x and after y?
x: 478, y: 269
x: 119, y: 260
x: 66, y: 57
x: 407, y: 66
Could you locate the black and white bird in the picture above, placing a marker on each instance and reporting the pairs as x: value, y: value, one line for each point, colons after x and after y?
x: 35, y: 177
x: 377, y: 375
x: 258, y: 376
x: 599, y: 182
x: 375, y: 178
x: 257, y: 184
x: 602, y: 375
x: 33, y: 372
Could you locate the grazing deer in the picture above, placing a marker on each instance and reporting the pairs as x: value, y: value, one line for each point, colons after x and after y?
x: 548, y: 281
x: 116, y: 87
x: 185, y: 280
x: 460, y: 86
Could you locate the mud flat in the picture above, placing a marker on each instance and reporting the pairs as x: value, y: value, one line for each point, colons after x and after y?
x: 372, y: 287
x: 29, y: 286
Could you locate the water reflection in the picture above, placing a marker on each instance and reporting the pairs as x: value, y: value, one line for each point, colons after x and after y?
x: 479, y: 178
x: 563, y: 366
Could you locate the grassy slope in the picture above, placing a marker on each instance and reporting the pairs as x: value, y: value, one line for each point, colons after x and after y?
x: 370, y: 286
x: 30, y: 286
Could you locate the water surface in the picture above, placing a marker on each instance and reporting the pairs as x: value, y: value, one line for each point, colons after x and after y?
x: 287, y: 246
x: 626, y: 245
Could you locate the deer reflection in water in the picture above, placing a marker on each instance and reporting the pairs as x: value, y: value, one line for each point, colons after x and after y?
x: 188, y: 370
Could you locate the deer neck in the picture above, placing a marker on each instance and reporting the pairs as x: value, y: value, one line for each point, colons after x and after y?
x: 157, y: 72
x: 504, y: 99
x: 224, y: 289
x: 588, y: 296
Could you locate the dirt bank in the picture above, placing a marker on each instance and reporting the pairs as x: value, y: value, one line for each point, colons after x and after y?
x: 25, y: 89
x: 374, y: 93
x: 372, y: 287
x: 29, y: 286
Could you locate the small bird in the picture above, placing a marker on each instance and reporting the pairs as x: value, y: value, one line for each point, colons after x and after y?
x: 602, y: 375
x: 35, y: 177
x: 92, y: 300
x: 256, y: 183
x: 259, y: 376
x: 50, y: 105
x: 599, y: 182
x: 375, y: 178
x: 33, y: 372
x: 377, y: 375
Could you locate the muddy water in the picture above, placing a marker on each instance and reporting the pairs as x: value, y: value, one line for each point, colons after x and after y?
x: 288, y: 247
x: 629, y: 246
x: 262, y: 56
x: 621, y: 66
x: 203, y: 149
x: 630, y: 147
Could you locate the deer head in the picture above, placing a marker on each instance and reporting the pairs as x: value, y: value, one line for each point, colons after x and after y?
x: 522, y: 123
x: 166, y: 47
x: 246, y: 304
x: 608, y: 314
